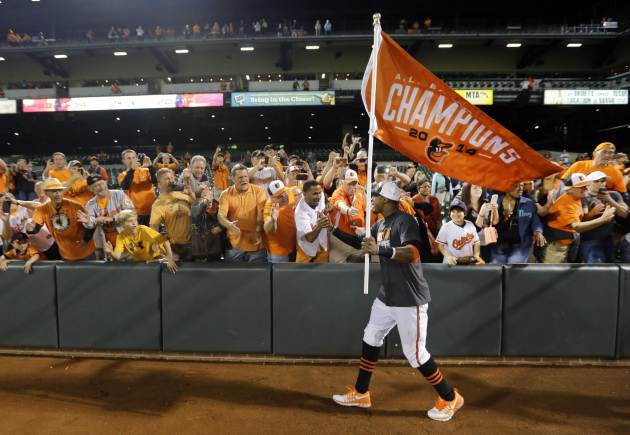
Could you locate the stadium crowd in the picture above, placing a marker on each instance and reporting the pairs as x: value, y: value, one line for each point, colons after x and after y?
x: 274, y: 207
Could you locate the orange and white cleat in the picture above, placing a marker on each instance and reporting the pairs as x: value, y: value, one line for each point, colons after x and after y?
x: 444, y: 410
x: 353, y: 398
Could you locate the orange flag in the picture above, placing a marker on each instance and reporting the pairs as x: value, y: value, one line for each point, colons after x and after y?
x: 419, y: 116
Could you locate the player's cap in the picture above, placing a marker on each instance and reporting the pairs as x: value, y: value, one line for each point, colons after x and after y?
x: 92, y: 158
x: 52, y: 184
x: 74, y: 163
x: 91, y: 179
x: 596, y: 176
x: 458, y: 203
x: 276, y: 187
x: 389, y: 190
x: 577, y: 180
x: 350, y: 175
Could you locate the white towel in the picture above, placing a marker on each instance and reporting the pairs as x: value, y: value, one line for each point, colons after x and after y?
x: 305, y: 222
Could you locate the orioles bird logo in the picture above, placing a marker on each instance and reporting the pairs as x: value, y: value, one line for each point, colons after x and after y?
x: 436, y: 150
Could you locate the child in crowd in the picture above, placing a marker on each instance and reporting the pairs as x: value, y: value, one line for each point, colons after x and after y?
x: 139, y: 243
x: 21, y: 251
x: 458, y: 239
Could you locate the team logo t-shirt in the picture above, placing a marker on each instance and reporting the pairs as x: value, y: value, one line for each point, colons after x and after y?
x: 459, y: 241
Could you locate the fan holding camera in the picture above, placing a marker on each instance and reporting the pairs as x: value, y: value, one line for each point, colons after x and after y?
x: 137, y: 181
x: 333, y: 172
x: 56, y: 168
x: 166, y: 160
x: 77, y: 183
x: 265, y: 168
x: 297, y: 173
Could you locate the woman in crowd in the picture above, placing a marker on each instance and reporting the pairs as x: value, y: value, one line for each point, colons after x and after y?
x: 518, y: 226
x: 480, y: 211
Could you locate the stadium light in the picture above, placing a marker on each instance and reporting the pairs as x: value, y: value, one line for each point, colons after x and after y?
x: 2, y: 59
x: 312, y: 47
x: 61, y: 56
x: 120, y: 53
x: 574, y: 45
x: 246, y: 76
x: 181, y: 51
x: 323, y: 75
x: 247, y: 48
x: 445, y: 45
x: 513, y: 45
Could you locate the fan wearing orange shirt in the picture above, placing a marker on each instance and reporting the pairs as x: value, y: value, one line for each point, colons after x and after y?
x: 220, y: 172
x: 137, y: 182
x: 348, y: 202
x: 22, y: 251
x: 77, y: 184
x: 60, y: 216
x: 602, y: 161
x: 4, y: 177
x: 279, y: 222
x: 241, y: 214
x: 166, y: 160
x: 566, y: 216
x: 56, y: 168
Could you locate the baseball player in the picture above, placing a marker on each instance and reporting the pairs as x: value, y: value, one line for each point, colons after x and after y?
x: 402, y: 301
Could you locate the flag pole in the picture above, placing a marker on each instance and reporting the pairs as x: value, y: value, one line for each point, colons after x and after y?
x: 368, y: 199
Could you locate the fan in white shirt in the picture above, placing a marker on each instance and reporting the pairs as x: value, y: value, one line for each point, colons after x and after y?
x: 458, y: 238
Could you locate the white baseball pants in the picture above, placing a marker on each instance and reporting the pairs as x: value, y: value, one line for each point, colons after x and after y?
x: 412, y: 328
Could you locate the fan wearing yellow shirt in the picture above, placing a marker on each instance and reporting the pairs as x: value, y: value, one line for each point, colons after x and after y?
x: 139, y: 243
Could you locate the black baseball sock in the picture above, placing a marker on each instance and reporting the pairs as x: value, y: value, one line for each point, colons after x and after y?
x: 433, y: 374
x: 369, y: 358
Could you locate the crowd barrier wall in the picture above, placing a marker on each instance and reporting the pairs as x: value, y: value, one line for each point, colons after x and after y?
x: 623, y: 334
x: 560, y: 310
x: 312, y: 309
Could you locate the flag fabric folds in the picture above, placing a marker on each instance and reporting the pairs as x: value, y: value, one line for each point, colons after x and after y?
x: 418, y: 115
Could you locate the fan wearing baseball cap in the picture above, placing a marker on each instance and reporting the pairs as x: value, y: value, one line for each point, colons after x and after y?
x: 565, y: 219
x: 458, y: 240
x: 279, y: 222
x: 60, y: 215
x: 402, y: 301
x: 348, y: 203
x: 603, y: 155
x: 597, y: 245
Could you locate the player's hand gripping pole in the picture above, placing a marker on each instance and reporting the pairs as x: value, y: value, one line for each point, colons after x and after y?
x: 368, y: 200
